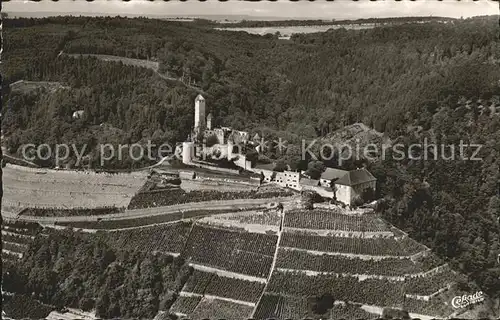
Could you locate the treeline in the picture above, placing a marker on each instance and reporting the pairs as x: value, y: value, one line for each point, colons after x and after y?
x: 319, y: 22
x: 69, y: 269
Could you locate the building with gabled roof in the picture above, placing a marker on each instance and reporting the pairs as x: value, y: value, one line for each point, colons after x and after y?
x: 347, y: 185
x: 356, y: 177
x: 331, y: 174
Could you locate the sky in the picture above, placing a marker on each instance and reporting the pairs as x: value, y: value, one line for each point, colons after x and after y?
x: 339, y: 9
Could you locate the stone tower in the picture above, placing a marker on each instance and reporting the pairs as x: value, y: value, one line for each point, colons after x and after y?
x: 209, y: 121
x: 199, y: 114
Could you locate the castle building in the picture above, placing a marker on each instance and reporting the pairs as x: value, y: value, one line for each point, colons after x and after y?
x: 226, y: 138
x: 205, y: 127
x: 345, y: 186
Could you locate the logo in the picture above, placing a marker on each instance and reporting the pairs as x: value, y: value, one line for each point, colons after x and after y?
x: 460, y: 302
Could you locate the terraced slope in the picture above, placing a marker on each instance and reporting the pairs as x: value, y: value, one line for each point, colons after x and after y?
x: 361, y: 261
x: 233, y: 250
x: 16, y: 237
x: 278, y: 269
x: 266, y: 264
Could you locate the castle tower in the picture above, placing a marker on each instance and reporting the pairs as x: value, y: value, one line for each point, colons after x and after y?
x: 187, y: 152
x: 230, y: 146
x: 199, y: 113
x: 209, y: 121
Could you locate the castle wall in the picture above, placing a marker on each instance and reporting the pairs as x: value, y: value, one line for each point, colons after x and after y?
x: 268, y: 174
x: 209, y: 123
x: 343, y: 194
x: 319, y: 190
x: 325, y: 183
x: 243, y: 163
x: 211, y: 167
x: 288, y: 179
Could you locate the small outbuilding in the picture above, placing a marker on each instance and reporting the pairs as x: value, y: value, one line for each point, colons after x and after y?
x: 78, y: 114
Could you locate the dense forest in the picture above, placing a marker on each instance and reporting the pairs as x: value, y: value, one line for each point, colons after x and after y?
x: 69, y: 269
x: 386, y: 77
x: 441, y: 78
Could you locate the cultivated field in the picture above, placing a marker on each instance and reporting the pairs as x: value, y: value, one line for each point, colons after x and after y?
x: 302, y: 260
x: 438, y: 305
x: 207, y: 283
x: 322, y: 219
x: 151, y: 220
x: 429, y: 284
x: 166, y: 238
x: 363, y: 246
x: 185, y: 305
x: 263, y: 217
x: 45, y: 188
x: 174, y: 196
x: 232, y: 250
x: 378, y: 292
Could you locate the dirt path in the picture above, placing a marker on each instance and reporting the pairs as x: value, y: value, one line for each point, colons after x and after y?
x: 361, y: 277
x: 344, y: 233
x: 6, y: 232
x: 178, y: 80
x: 275, y: 257
x: 225, y: 273
x: 20, y: 255
x: 209, y: 296
x: 352, y: 255
x: 250, y: 227
x: 140, y: 63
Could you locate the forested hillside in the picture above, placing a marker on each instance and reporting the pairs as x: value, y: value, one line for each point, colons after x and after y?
x: 384, y: 77
x: 70, y: 269
x: 442, y: 78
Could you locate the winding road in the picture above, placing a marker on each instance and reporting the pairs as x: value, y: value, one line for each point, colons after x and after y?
x: 142, y: 213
